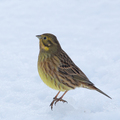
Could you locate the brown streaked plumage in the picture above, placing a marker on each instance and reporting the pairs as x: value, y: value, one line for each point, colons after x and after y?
x: 57, y: 70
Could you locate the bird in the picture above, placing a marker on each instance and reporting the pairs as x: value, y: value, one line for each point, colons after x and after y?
x: 57, y: 70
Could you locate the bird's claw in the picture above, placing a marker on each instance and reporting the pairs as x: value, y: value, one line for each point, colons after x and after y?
x: 55, y: 100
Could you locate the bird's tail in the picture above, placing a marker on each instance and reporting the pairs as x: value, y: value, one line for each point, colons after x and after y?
x: 95, y: 88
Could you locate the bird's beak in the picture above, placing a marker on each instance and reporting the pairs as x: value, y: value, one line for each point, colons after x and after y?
x: 38, y: 36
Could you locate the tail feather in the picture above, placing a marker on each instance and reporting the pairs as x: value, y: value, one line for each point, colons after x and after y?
x: 95, y: 88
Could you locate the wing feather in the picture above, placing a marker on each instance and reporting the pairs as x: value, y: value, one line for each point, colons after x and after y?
x: 70, y: 73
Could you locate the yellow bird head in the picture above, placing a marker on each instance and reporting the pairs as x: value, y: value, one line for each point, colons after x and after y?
x: 48, y: 43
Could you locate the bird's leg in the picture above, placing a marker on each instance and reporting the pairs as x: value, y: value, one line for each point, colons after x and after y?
x: 55, y: 99
x: 60, y: 99
x: 56, y: 95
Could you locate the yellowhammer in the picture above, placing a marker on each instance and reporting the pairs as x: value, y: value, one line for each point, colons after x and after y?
x: 57, y: 70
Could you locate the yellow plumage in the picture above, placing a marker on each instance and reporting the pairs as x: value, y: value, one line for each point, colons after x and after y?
x: 47, y: 72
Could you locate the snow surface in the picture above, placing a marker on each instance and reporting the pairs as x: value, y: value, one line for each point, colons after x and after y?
x: 89, y: 31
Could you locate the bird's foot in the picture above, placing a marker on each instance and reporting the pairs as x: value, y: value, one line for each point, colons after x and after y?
x: 55, y: 100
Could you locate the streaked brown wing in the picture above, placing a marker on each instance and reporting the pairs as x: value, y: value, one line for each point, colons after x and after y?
x: 70, y: 73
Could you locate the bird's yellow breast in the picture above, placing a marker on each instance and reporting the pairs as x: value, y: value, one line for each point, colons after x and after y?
x: 48, y: 73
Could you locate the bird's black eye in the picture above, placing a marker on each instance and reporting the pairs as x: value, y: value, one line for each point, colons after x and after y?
x: 44, y: 38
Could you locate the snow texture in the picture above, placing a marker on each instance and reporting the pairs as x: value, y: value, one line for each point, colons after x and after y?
x: 89, y: 31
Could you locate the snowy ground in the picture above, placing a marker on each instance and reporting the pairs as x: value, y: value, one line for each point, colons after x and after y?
x: 89, y: 31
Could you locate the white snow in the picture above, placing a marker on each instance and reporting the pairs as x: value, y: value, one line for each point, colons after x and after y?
x: 89, y: 31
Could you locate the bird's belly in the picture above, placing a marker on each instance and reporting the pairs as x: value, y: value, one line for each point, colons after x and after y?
x: 50, y: 81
